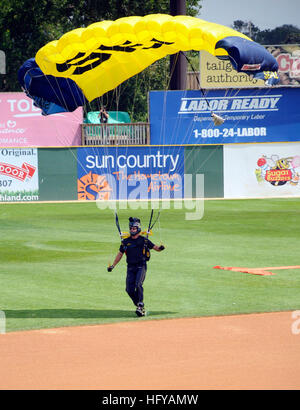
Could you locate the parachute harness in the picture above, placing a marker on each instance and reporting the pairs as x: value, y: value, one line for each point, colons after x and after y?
x: 146, y: 250
x: 118, y: 225
x: 123, y: 235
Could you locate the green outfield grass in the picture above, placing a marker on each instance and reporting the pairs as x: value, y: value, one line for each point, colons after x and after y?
x: 54, y: 258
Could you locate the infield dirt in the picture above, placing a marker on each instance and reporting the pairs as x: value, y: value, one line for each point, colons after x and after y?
x: 255, y: 351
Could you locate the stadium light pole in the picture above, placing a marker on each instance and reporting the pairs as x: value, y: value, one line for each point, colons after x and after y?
x: 178, y: 63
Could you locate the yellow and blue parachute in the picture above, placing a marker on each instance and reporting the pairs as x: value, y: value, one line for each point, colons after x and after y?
x: 103, y: 55
x: 51, y: 94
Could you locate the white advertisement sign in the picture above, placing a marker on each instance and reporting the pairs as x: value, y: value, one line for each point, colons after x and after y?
x: 19, y: 179
x: 261, y: 170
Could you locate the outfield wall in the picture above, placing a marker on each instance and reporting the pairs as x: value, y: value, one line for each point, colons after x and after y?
x: 149, y: 172
x: 255, y: 153
x: 89, y: 173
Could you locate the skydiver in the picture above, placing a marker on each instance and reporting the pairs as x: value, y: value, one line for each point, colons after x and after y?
x: 137, y: 249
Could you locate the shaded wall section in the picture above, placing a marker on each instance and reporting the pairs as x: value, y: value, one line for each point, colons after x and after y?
x: 57, y: 174
x: 207, y: 160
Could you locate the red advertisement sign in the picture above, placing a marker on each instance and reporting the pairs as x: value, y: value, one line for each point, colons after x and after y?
x: 288, y: 59
x: 13, y: 171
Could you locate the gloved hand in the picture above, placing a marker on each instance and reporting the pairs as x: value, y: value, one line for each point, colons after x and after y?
x: 161, y: 248
x: 110, y: 268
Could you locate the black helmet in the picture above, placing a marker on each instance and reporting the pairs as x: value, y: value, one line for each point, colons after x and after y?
x: 135, y: 222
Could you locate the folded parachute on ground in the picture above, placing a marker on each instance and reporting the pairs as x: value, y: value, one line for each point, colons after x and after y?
x: 51, y: 94
x: 103, y: 55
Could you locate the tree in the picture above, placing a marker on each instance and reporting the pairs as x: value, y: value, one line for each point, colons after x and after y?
x: 26, y: 25
x: 285, y: 34
x: 246, y: 27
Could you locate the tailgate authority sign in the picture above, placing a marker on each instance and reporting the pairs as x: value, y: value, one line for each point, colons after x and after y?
x: 19, y: 174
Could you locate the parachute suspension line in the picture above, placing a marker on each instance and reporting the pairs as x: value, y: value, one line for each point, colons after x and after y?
x: 96, y: 178
x: 148, y: 232
x: 61, y: 93
x: 101, y: 101
x: 99, y: 104
x: 190, y: 128
x: 134, y: 97
x: 189, y: 154
x: 149, y: 225
x: 118, y: 224
x: 142, y: 83
x: 172, y: 149
x: 178, y: 119
x: 168, y: 74
x: 217, y: 119
x: 168, y: 71
x: 159, y: 230
x: 58, y: 132
x: 87, y: 107
x: 172, y: 69
x: 118, y: 97
x: 167, y: 87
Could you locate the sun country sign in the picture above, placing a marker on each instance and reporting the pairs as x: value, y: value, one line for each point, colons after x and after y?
x: 138, y: 173
x: 23, y: 125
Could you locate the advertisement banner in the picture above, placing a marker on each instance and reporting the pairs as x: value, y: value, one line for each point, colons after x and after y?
x: 216, y: 73
x: 23, y: 125
x: 288, y: 59
x: 19, y: 179
x: 261, y: 170
x: 130, y: 173
x: 251, y: 115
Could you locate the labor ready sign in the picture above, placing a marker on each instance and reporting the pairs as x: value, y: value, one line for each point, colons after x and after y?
x: 251, y: 115
x: 130, y: 173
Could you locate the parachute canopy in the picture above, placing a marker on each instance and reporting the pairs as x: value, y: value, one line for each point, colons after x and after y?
x: 103, y: 55
x: 51, y: 94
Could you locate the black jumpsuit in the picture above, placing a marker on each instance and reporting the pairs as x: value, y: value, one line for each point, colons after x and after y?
x: 136, y: 266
